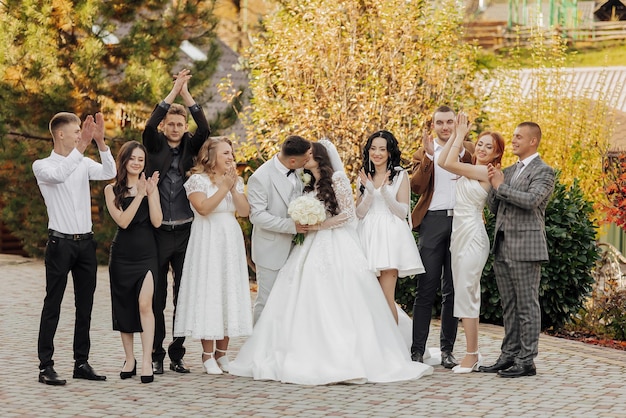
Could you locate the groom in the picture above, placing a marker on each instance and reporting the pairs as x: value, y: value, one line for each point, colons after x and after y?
x: 519, y: 198
x: 270, y: 189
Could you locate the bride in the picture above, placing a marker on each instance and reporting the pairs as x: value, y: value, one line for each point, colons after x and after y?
x: 326, y: 320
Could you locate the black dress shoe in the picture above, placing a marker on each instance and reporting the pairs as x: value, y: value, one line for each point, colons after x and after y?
x: 157, y: 367
x: 447, y: 360
x: 179, y: 366
x: 147, y: 379
x: 128, y: 375
x: 501, y: 364
x: 50, y: 377
x: 85, y: 371
x: 417, y: 357
x: 519, y: 370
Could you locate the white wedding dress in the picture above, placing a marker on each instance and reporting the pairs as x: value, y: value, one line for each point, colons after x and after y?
x: 469, y: 246
x: 326, y: 320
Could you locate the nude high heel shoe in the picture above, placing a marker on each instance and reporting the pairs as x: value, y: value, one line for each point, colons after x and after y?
x: 210, y: 365
x: 223, y: 361
x: 474, y: 368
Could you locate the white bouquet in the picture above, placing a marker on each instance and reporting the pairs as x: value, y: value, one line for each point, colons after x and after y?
x: 306, y: 210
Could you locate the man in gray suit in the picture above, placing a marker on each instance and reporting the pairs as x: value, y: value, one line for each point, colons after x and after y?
x: 270, y: 189
x: 519, y: 198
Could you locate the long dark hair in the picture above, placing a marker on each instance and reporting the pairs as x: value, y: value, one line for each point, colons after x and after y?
x: 392, y: 148
x: 120, y: 187
x: 325, y: 191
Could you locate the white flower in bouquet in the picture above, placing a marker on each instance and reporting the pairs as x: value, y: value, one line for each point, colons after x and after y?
x: 306, y: 210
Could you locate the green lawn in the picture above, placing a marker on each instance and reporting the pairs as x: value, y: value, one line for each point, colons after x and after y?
x: 608, y: 54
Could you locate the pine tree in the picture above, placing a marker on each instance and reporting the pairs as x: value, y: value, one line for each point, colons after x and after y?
x: 114, y: 57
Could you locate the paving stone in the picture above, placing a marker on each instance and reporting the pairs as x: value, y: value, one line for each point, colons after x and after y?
x: 574, y: 379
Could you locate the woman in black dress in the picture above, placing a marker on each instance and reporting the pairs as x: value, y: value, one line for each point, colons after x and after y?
x: 134, y: 204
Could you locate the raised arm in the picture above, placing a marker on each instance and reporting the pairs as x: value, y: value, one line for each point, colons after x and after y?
x: 449, y: 158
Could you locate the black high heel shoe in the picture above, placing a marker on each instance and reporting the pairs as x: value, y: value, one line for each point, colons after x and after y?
x: 128, y: 375
x: 147, y: 379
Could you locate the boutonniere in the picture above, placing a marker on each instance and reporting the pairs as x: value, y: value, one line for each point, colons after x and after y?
x: 305, y: 177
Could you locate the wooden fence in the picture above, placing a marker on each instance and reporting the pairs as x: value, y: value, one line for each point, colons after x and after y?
x: 496, y: 35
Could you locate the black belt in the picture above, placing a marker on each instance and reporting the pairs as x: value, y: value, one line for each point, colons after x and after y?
x: 175, y: 227
x: 73, y: 237
x: 443, y: 212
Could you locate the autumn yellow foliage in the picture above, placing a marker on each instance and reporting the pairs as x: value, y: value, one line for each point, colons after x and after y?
x: 342, y: 70
x: 576, y: 123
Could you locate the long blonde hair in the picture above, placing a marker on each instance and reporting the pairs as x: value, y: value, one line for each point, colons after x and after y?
x: 207, y: 157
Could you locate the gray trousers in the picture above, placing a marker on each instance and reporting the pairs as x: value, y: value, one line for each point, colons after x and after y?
x: 265, y: 279
x: 518, y: 284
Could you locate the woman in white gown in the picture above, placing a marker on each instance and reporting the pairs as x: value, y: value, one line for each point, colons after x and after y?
x: 469, y: 243
x: 326, y: 320
x: 383, y: 209
x: 214, y: 297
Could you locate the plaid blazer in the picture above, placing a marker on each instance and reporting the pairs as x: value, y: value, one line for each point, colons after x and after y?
x: 520, y: 208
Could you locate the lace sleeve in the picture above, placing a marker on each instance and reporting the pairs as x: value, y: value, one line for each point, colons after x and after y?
x: 343, y: 192
x: 194, y: 184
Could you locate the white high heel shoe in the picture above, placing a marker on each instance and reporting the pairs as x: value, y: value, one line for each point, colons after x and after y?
x: 223, y: 361
x: 474, y: 368
x: 210, y: 365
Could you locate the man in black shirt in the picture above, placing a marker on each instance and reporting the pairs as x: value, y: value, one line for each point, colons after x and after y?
x: 170, y: 152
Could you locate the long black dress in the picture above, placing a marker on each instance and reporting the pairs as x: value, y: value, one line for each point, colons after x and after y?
x: 133, y: 254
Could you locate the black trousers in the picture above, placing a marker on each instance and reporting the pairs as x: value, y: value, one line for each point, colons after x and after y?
x: 63, y: 256
x: 434, y: 247
x: 172, y: 246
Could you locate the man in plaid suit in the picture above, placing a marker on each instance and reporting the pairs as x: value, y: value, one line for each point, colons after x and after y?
x: 519, y: 198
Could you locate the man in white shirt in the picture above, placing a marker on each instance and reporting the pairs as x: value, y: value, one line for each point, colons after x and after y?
x: 63, y: 179
x: 433, y: 217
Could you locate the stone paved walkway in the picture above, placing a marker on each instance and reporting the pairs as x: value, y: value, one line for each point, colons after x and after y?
x: 574, y: 379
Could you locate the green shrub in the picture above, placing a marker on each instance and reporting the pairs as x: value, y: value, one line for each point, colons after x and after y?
x: 566, y: 279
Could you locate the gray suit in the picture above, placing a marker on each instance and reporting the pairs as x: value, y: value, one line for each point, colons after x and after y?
x: 520, y: 247
x: 269, y: 194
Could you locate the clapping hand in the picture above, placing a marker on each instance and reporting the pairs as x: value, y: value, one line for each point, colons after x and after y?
x: 180, y: 81
x: 495, y: 174
x: 142, y: 185
x: 366, y: 180
x: 86, y: 134
x: 461, y: 125
x: 230, y: 177
x: 152, y: 183
x: 428, y: 142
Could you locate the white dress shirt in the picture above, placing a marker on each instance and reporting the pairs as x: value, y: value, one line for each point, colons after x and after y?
x: 444, y: 191
x: 64, y: 184
x: 293, y: 177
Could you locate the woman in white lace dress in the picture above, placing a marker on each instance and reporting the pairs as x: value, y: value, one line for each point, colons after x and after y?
x: 326, y: 319
x: 383, y: 209
x: 214, y: 297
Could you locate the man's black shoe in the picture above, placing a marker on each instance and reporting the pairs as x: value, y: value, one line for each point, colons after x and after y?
x: 417, y: 357
x: 50, y: 377
x: 447, y: 360
x: 157, y: 367
x: 501, y: 364
x: 178, y: 366
x: 85, y: 371
x: 519, y: 370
